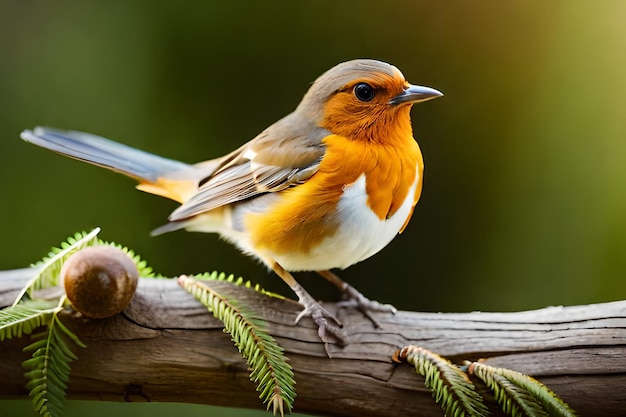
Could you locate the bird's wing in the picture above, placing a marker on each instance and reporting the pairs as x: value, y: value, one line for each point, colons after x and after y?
x: 285, y: 154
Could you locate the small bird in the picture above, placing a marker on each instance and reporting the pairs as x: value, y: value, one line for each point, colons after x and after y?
x: 325, y: 187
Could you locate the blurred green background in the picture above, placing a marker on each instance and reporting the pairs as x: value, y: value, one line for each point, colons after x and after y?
x: 524, y: 196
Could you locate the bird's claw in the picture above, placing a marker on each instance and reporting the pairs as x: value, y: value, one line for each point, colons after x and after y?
x: 327, y: 332
x: 354, y: 299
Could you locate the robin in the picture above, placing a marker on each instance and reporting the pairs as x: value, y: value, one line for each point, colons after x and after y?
x: 325, y: 187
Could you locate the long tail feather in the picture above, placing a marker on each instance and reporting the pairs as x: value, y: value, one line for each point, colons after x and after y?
x: 103, y: 152
x: 157, y: 175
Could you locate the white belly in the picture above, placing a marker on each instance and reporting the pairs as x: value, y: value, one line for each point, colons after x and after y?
x: 360, y: 235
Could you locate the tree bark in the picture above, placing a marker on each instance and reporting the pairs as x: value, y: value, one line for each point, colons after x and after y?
x: 167, y: 347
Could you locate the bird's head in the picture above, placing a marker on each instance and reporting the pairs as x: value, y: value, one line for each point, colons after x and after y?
x: 363, y: 99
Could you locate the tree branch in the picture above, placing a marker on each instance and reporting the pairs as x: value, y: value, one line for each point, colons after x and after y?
x: 167, y: 347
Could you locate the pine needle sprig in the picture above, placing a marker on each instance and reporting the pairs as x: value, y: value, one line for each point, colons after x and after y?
x: 516, y: 391
x: 270, y: 371
x: 450, y: 386
x: 239, y: 281
x: 48, y: 369
x: 49, y: 269
x: 24, y: 318
x: 144, y: 269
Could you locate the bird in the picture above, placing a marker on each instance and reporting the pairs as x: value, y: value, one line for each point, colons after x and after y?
x: 325, y: 187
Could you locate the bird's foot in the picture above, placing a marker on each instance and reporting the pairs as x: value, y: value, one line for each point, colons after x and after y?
x: 327, y: 331
x: 353, y: 298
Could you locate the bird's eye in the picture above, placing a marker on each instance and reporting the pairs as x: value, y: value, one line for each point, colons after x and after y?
x: 364, y: 92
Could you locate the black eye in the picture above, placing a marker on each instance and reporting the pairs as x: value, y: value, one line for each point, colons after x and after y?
x: 364, y: 92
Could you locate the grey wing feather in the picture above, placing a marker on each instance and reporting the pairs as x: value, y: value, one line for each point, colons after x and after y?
x: 283, y: 159
x: 240, y: 183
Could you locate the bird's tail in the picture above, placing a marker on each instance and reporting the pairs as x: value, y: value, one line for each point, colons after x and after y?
x: 157, y: 175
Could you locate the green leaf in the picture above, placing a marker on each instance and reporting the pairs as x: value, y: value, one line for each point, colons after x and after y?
x: 270, y: 370
x: 48, y: 270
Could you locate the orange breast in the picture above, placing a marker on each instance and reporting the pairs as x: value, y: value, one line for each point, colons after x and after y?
x: 306, y: 214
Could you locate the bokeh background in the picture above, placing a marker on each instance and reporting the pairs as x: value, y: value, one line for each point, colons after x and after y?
x: 524, y: 196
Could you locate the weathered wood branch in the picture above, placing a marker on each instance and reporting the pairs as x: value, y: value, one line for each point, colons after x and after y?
x: 166, y: 347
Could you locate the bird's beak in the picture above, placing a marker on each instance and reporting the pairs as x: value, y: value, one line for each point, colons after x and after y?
x: 415, y: 94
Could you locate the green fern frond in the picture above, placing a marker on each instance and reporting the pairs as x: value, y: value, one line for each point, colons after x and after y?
x: 25, y: 317
x: 145, y: 271
x: 450, y: 386
x: 221, y: 276
x: 48, y: 270
x: 48, y: 369
x: 270, y: 370
x: 513, y: 400
x: 523, y: 390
